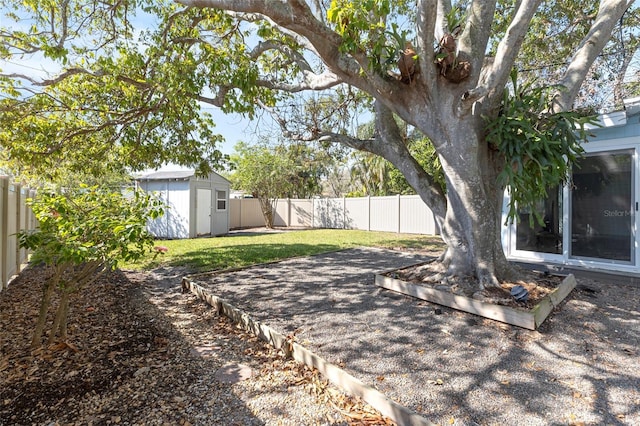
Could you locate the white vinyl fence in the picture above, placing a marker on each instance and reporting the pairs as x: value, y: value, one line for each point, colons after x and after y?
x: 14, y: 216
x: 398, y: 213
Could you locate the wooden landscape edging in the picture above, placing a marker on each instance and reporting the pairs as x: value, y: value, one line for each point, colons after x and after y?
x: 350, y: 384
x: 529, y: 319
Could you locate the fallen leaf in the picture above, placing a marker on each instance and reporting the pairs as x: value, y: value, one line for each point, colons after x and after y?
x: 72, y: 347
x: 161, y: 341
x: 141, y: 370
x: 58, y: 347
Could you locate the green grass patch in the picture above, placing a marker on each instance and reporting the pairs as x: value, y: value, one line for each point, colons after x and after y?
x: 208, y: 254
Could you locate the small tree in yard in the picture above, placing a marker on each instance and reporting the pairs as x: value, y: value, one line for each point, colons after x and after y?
x: 82, y: 234
x: 269, y: 173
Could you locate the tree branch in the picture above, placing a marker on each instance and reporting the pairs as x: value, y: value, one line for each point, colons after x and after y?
x: 390, y: 145
x: 609, y: 14
x: 472, y: 43
x: 496, y: 74
x: 425, y: 26
x: 311, y: 80
x: 296, y: 16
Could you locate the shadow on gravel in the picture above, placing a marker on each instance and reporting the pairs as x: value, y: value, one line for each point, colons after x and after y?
x: 450, y: 366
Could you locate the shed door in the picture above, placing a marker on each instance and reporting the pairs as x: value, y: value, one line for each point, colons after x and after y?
x: 221, y: 212
x: 203, y: 212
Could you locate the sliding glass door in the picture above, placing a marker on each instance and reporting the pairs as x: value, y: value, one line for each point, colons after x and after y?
x: 540, y: 229
x: 603, y: 207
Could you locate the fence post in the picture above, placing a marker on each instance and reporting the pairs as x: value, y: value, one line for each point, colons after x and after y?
x: 4, y: 231
x: 368, y: 212
x: 19, y: 200
x: 344, y: 212
x: 399, y: 216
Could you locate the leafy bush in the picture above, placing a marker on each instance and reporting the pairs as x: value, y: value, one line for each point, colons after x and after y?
x: 83, y: 233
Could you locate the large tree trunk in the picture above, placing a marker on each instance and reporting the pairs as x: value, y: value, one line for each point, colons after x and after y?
x: 471, y: 218
x: 472, y: 225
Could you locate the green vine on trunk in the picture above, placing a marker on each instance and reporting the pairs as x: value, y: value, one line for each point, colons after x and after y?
x: 539, y: 146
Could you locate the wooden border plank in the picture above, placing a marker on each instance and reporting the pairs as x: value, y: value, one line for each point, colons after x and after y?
x: 350, y: 384
x: 529, y: 319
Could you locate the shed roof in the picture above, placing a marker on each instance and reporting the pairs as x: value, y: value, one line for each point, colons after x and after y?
x: 176, y: 175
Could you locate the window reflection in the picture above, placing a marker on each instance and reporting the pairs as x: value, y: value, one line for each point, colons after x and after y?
x: 545, y: 236
x: 601, y: 207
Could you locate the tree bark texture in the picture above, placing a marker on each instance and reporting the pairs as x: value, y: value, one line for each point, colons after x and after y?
x: 47, y: 292
x: 472, y: 223
x: 59, y: 327
x: 267, y: 207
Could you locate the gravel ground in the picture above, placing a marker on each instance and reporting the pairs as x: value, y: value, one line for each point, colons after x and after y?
x: 579, y: 367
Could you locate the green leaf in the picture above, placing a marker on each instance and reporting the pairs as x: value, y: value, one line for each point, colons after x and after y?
x: 537, y: 146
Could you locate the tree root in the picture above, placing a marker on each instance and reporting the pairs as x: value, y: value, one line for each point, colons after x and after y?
x: 455, y: 279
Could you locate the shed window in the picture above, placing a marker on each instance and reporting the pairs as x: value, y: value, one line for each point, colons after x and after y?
x: 221, y: 200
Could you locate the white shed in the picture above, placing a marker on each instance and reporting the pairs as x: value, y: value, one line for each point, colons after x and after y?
x: 197, y: 206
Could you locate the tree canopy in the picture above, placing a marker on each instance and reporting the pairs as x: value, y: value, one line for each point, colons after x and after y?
x: 438, y: 66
